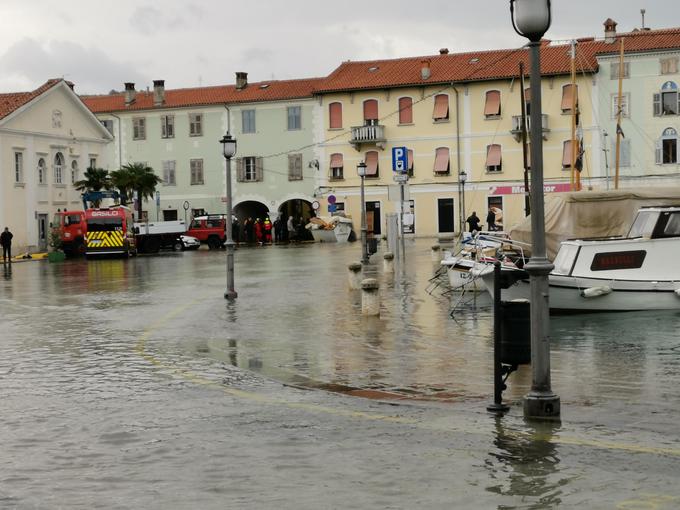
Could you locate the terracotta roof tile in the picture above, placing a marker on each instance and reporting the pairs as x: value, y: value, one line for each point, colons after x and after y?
x: 488, y: 65
x: 11, y: 101
x: 275, y: 90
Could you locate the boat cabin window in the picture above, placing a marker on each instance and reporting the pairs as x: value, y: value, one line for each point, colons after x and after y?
x: 672, y: 228
x: 644, y: 223
x: 565, y: 259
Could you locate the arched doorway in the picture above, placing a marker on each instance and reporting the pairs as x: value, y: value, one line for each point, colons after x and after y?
x: 248, y: 210
x: 301, y: 211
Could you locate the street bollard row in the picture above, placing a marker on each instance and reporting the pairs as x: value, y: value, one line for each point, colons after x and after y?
x: 370, y: 297
x: 354, y: 276
x: 388, y: 262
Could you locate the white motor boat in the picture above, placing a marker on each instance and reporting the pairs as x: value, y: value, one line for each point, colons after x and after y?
x: 636, y: 272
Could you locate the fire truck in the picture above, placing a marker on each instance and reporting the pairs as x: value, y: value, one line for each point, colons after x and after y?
x: 110, y: 231
x: 70, y: 228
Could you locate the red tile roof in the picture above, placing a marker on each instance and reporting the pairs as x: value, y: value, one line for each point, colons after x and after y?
x: 202, y: 96
x: 488, y: 65
x: 11, y: 101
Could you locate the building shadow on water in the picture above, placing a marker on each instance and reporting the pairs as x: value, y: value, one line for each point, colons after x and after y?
x: 524, y: 466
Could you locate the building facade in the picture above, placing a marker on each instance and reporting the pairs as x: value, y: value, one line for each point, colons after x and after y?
x: 48, y: 138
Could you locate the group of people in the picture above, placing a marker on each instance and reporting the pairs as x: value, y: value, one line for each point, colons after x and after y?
x: 263, y: 231
x: 473, y: 221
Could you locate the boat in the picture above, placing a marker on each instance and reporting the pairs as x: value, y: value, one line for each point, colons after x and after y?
x: 638, y: 271
x: 336, y: 229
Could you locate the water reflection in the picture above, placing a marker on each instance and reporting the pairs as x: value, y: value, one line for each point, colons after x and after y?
x: 526, y: 465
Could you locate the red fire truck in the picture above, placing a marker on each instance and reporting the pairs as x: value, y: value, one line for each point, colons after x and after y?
x: 110, y: 231
x: 70, y: 227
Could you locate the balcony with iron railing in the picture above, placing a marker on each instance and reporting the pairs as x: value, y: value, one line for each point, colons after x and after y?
x: 517, y: 126
x: 369, y: 134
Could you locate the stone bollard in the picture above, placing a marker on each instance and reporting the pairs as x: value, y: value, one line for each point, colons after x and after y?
x: 388, y: 262
x: 436, y: 253
x: 370, y: 297
x: 354, y: 275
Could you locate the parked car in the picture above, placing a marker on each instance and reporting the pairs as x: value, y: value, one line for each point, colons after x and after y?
x: 209, y: 229
x: 185, y: 242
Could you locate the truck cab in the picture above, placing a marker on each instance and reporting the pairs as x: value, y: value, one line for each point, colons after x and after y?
x: 70, y: 228
x: 210, y: 229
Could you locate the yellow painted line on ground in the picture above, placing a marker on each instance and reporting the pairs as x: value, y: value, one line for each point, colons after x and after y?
x: 192, y: 377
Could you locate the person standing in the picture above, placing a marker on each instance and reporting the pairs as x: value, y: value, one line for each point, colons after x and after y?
x: 491, y: 220
x: 6, y: 242
x: 258, y: 230
x: 290, y: 225
x: 267, y: 230
x: 278, y: 225
x: 473, y: 222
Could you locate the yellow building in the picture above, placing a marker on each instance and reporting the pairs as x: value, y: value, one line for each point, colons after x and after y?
x: 454, y: 113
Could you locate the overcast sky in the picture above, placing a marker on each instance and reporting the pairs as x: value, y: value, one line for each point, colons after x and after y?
x: 101, y: 44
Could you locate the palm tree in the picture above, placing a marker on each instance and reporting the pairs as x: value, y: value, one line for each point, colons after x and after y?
x: 121, y: 179
x: 95, y: 179
x: 140, y: 178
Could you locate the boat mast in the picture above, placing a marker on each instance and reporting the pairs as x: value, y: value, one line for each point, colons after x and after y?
x: 575, y: 175
x: 619, y: 109
x: 527, y: 195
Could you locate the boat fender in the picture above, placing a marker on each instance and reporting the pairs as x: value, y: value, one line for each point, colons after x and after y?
x: 677, y: 292
x: 602, y: 290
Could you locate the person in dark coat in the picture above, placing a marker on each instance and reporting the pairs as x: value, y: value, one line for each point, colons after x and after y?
x: 248, y: 230
x: 235, y: 230
x: 473, y: 221
x: 277, y: 230
x: 491, y: 220
x: 6, y: 242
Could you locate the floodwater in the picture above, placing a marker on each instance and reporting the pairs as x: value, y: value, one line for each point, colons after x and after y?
x: 134, y: 384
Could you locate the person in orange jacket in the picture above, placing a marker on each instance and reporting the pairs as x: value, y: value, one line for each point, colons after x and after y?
x: 258, y: 230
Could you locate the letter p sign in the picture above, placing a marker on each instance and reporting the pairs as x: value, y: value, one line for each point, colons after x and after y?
x: 400, y: 160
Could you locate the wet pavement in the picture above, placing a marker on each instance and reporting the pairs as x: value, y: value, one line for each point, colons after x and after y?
x: 132, y: 384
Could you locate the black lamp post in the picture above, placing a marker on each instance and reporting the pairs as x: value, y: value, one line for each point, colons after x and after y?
x: 462, y: 179
x: 361, y: 170
x: 531, y: 19
x: 228, y: 150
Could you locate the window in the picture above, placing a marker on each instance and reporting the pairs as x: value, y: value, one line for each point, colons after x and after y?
x: 441, y: 107
x: 108, y: 124
x: 493, y: 158
x: 625, y: 100
x: 336, y: 166
x: 249, y: 169
x: 295, y: 167
x: 93, y: 163
x: 410, y: 162
x: 441, y: 161
x: 18, y: 167
x: 492, y: 107
x: 294, y: 118
x: 667, y: 102
x: 247, y: 121
x: 372, y: 166
x: 569, y: 98
x: 667, y: 147
x: 41, y: 171
x: 196, y: 170
x: 527, y: 99
x: 624, y: 151
x: 58, y: 167
x: 139, y: 128
x: 195, y: 124
x: 167, y: 126
x: 370, y: 112
x: 405, y: 110
x: 335, y: 115
x: 194, y: 213
x: 170, y: 215
x: 169, y: 173
x: 74, y: 172
x: 614, y: 70
x: 669, y: 65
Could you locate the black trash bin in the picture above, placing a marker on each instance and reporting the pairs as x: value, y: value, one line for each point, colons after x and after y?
x: 515, y: 332
x: 372, y: 244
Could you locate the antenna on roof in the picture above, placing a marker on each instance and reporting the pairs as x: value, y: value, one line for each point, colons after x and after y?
x: 642, y: 12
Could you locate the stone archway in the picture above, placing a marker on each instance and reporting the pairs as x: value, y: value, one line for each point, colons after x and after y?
x: 248, y: 210
x: 301, y: 211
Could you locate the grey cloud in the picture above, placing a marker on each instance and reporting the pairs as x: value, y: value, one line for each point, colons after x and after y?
x: 89, y: 68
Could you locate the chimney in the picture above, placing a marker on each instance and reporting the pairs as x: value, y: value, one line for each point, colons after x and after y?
x: 425, y: 69
x: 158, y: 92
x: 444, y: 51
x: 129, y: 93
x: 610, y: 31
x: 241, y: 80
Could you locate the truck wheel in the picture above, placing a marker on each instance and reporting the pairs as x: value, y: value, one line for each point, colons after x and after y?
x: 178, y: 246
x: 213, y: 242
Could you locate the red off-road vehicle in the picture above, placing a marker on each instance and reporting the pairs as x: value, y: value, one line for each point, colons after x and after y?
x: 210, y: 229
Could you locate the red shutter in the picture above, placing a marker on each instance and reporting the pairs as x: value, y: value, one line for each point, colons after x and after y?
x: 372, y: 164
x: 569, y: 97
x: 441, y: 160
x: 336, y: 160
x: 566, y: 154
x: 335, y: 114
x: 441, y: 107
x: 493, y: 103
x: 410, y: 160
x: 405, y: 110
x: 371, y: 109
x: 493, y: 155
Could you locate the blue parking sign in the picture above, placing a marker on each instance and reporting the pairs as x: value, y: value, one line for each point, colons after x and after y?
x: 400, y: 160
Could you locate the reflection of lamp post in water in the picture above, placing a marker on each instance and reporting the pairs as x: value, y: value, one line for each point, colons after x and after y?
x: 228, y: 150
x: 361, y: 170
x: 531, y: 19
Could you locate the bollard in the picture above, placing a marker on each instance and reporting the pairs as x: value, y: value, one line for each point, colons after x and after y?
x: 354, y: 275
x: 436, y: 253
x: 388, y: 262
x: 370, y: 297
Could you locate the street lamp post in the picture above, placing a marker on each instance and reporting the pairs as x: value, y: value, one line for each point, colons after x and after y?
x: 361, y: 170
x: 228, y: 150
x: 462, y: 179
x: 531, y: 19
